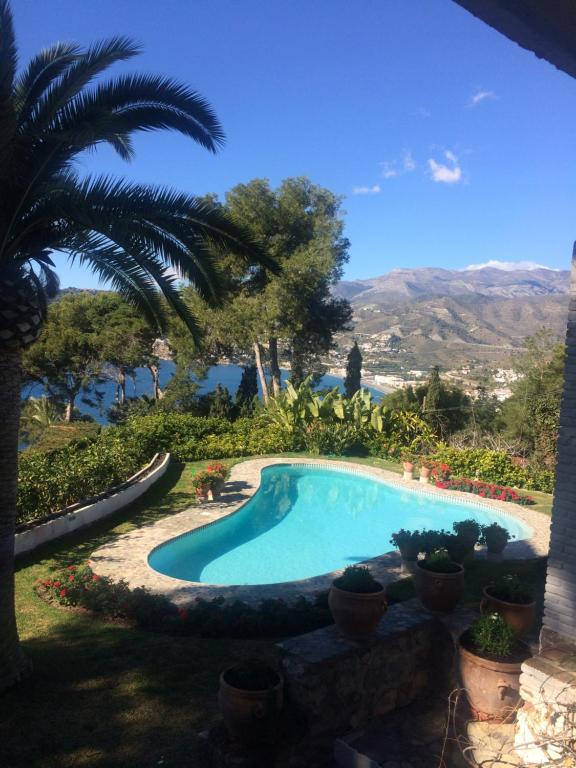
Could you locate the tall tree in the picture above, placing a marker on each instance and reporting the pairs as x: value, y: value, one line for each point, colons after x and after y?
x: 353, y: 378
x: 247, y: 391
x: 532, y: 414
x: 132, y: 235
x: 65, y: 360
x: 294, y: 313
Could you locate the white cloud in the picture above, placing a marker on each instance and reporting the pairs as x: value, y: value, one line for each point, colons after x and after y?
x: 393, y: 168
x: 450, y: 173
x: 374, y: 190
x: 506, y: 266
x: 408, y: 162
x: 480, y: 96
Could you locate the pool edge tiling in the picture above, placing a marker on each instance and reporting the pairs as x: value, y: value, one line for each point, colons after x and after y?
x: 127, y: 556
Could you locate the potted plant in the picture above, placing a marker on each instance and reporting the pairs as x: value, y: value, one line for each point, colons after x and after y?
x: 250, y: 697
x: 496, y: 537
x: 219, y: 473
x: 208, y: 482
x: 489, y: 662
x: 467, y: 534
x: 409, y: 543
x: 425, y: 469
x: 439, y: 583
x: 508, y: 597
x: 432, y: 542
x: 407, y: 457
x: 357, y: 602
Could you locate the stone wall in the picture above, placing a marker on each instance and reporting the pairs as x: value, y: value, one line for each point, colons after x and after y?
x: 334, y: 685
x: 546, y: 724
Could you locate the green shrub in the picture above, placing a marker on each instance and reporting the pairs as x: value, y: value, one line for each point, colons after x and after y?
x: 494, y: 467
x: 491, y: 635
x: 358, y: 579
x: 78, y: 587
x: 49, y: 481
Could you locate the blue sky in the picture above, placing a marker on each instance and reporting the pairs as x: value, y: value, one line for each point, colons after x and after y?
x: 450, y: 144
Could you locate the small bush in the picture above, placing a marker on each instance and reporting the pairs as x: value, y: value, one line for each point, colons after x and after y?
x: 357, y: 578
x: 510, y: 589
x: 492, y: 636
x: 494, y: 467
x: 79, y: 587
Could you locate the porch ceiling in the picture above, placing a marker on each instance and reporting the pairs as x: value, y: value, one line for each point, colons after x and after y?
x: 545, y: 27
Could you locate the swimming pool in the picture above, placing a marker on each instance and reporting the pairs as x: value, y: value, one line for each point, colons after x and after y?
x: 306, y: 520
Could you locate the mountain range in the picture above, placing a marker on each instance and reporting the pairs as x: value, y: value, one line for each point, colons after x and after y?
x: 432, y: 315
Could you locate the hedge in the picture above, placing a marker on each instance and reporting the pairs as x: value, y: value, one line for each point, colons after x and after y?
x: 494, y: 467
x: 49, y: 481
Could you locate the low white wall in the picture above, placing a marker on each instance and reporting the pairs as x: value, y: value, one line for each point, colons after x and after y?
x: 28, y: 540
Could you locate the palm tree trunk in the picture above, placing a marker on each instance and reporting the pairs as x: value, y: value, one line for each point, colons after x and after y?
x: 274, y: 365
x: 13, y: 663
x: 260, y: 369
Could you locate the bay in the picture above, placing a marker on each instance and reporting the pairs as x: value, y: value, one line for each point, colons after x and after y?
x: 228, y: 375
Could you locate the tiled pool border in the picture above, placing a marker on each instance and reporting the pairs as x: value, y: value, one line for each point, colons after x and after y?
x: 127, y: 556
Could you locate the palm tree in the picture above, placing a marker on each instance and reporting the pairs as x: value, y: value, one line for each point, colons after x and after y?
x: 140, y: 239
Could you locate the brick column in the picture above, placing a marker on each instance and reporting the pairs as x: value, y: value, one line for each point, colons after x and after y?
x: 560, y: 597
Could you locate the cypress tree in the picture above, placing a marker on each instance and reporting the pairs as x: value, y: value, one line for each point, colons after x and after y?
x: 247, y: 391
x: 353, y: 371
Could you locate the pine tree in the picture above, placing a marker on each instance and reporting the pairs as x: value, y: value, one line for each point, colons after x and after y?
x: 353, y: 371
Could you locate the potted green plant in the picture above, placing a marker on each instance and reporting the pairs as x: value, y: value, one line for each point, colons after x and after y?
x: 489, y: 662
x: 250, y: 697
x: 432, y: 541
x: 407, y: 457
x: 357, y: 602
x: 467, y: 535
x: 439, y: 582
x: 495, y: 537
x: 511, y: 599
x: 409, y: 543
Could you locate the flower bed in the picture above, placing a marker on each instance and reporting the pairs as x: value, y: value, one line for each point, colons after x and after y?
x: 79, y: 587
x: 485, y: 490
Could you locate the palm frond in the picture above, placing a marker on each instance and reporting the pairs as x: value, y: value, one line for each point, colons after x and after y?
x: 8, y: 52
x: 78, y: 75
x: 40, y: 74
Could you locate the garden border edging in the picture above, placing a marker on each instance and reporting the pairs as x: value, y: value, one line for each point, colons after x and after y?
x: 89, y: 511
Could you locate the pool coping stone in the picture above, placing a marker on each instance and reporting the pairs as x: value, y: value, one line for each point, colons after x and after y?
x: 126, y: 557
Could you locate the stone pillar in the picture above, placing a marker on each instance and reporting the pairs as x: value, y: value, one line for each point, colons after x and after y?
x: 559, y: 625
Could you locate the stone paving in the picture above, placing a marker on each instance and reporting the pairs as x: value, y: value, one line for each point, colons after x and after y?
x: 127, y: 556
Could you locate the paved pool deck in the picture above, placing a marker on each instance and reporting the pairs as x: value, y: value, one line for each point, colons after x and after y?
x: 127, y: 556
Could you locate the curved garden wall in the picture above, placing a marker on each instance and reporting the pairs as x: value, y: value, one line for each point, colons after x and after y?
x: 88, y: 511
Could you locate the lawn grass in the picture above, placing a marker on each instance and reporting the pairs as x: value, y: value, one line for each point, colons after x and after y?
x: 103, y: 694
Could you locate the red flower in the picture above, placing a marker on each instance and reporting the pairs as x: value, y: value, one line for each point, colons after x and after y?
x: 95, y: 577
x: 63, y: 593
x: 71, y: 577
x: 71, y: 567
x: 57, y: 584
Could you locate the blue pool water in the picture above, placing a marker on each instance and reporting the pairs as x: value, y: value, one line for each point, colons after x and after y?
x: 305, y: 521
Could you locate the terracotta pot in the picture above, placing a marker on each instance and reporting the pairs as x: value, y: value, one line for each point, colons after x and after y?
x: 408, y: 466
x: 251, y: 717
x: 518, y: 616
x: 425, y: 473
x: 492, y: 687
x: 357, y: 614
x: 439, y: 592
